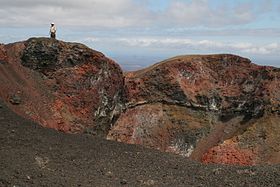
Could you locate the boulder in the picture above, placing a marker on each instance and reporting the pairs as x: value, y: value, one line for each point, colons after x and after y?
x: 66, y: 86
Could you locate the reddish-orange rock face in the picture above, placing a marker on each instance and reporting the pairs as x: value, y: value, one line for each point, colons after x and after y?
x: 211, y: 108
x: 65, y: 86
x: 190, y: 105
x: 230, y: 153
x: 221, y: 80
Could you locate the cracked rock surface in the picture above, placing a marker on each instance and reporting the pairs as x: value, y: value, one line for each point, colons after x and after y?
x: 211, y: 108
x: 62, y: 85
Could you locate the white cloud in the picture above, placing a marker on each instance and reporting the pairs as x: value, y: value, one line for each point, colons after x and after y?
x: 200, y: 12
x: 100, y: 13
x: 185, y: 43
x: 273, y: 46
x: 242, y: 46
x: 198, y: 25
x: 129, y: 13
x: 249, y: 32
x: 257, y: 50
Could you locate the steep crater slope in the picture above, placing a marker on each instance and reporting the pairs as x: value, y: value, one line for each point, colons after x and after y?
x: 35, y: 156
x: 65, y: 86
x: 212, y: 108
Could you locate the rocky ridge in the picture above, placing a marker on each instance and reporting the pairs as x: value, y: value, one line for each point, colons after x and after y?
x: 211, y: 108
x: 65, y: 86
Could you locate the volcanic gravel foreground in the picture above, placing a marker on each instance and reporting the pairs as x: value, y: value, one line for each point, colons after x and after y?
x: 32, y: 155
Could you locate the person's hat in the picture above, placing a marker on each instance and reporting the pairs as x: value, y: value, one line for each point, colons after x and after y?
x: 52, y: 23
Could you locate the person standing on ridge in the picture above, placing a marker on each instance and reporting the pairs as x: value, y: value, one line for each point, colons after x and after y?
x: 53, y: 31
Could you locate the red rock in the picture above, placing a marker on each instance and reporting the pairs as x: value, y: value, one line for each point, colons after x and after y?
x: 65, y: 86
x: 230, y: 153
x: 211, y: 108
x: 190, y: 104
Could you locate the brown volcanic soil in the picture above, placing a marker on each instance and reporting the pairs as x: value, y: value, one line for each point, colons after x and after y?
x: 35, y: 156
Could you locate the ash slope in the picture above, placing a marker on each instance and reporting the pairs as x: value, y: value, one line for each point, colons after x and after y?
x: 32, y: 155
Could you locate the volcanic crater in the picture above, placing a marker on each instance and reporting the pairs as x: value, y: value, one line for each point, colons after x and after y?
x: 211, y: 108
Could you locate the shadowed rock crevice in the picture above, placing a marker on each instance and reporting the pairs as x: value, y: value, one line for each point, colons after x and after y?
x: 67, y: 86
x: 35, y: 156
x: 211, y: 108
x: 219, y: 97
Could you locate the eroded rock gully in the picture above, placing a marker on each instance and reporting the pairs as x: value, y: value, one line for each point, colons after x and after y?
x: 211, y: 108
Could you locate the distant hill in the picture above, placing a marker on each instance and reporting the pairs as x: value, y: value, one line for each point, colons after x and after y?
x: 212, y: 108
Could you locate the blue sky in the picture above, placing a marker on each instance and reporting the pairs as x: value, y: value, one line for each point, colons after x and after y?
x: 137, y: 33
